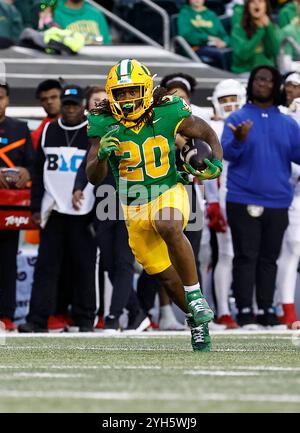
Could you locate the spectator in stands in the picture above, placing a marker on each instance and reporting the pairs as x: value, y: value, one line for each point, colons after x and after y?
x: 290, y: 251
x: 64, y: 228
x: 48, y: 93
x: 256, y: 41
x: 11, y: 24
x: 260, y: 143
x: 29, y: 10
x: 288, y: 13
x: 293, y: 30
x: 80, y: 16
x: 16, y: 151
x: 45, y: 15
x: 203, y: 30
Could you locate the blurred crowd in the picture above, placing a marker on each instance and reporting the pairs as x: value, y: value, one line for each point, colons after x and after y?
x: 234, y: 35
x: 250, y: 241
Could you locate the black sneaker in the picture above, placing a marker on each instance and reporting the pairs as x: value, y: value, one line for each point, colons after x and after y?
x: 30, y: 327
x: 268, y: 318
x: 140, y: 322
x: 86, y: 328
x: 246, y: 319
x: 111, y: 323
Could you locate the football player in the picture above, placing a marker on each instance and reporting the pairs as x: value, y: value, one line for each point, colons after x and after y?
x: 288, y: 261
x: 229, y: 95
x: 134, y: 130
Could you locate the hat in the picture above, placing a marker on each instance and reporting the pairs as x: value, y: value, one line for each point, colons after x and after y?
x: 293, y: 78
x: 72, y: 93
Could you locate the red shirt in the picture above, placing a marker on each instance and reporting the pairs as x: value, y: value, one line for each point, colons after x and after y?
x: 36, y: 134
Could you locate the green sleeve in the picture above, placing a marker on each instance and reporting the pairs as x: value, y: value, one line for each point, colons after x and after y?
x: 272, y: 40
x: 16, y: 23
x: 286, y: 14
x: 292, y: 31
x: 94, y: 128
x: 237, y: 15
x: 104, y: 29
x: 242, y: 46
x: 178, y: 111
x: 188, y: 32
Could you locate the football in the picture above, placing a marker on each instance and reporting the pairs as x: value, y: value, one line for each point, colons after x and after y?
x: 194, y: 152
x: 11, y: 176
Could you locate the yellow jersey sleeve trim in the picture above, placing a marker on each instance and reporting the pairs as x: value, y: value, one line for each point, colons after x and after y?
x: 177, y: 126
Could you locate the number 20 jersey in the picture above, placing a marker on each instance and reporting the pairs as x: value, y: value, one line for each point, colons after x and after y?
x: 146, y: 155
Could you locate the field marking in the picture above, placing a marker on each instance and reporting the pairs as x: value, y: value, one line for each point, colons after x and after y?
x: 75, y: 395
x: 47, y: 375
x: 212, y: 368
x: 220, y: 373
x: 149, y: 334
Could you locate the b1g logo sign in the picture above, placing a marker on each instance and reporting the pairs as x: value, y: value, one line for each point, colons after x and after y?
x: 62, y: 163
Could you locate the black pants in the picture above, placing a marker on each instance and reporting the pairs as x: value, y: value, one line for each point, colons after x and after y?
x: 9, y: 240
x: 256, y: 243
x: 64, y: 233
x: 117, y: 259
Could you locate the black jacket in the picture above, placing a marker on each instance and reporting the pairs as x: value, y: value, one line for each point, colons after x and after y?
x: 15, y: 144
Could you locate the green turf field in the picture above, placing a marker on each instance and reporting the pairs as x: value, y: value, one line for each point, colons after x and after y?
x: 151, y: 372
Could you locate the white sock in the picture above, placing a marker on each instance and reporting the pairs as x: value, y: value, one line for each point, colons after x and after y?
x: 223, y: 280
x: 166, y: 311
x: 287, y: 275
x: 192, y: 288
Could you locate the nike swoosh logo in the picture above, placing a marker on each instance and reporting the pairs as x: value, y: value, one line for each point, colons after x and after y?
x: 157, y: 120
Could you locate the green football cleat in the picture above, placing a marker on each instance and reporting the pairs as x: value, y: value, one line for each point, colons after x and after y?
x: 198, y: 307
x: 201, y: 341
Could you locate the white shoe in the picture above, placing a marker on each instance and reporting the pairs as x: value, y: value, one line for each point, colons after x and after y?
x: 213, y: 326
x: 169, y: 324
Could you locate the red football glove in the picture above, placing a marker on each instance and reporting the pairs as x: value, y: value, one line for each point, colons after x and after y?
x: 216, y: 218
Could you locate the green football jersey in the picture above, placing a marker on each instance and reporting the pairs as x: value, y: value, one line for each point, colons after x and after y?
x: 144, y: 166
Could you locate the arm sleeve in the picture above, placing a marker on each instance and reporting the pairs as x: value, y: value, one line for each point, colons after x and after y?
x: 37, y: 189
x: 81, y: 180
x: 295, y: 140
x: 29, y: 153
x: 93, y: 129
x: 192, y: 35
x: 17, y: 24
x: 232, y: 148
x: 272, y: 40
x: 242, y: 46
x: 284, y: 17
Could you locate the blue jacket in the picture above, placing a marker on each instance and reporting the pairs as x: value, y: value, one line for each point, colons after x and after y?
x: 260, y: 167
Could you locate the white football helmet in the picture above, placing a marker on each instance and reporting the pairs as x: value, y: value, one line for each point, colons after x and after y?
x: 228, y: 87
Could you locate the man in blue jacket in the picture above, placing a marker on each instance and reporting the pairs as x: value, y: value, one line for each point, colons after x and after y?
x: 260, y: 143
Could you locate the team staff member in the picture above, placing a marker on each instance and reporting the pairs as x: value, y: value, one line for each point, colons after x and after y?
x: 65, y: 229
x: 48, y: 93
x: 138, y: 138
x: 260, y: 144
x: 16, y: 151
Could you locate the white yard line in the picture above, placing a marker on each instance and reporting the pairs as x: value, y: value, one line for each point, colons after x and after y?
x: 220, y: 373
x: 75, y: 395
x: 41, y: 375
x: 237, y: 334
x: 263, y: 368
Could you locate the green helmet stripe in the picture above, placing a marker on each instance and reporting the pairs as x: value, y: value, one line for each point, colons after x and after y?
x: 146, y: 70
x: 124, y: 69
